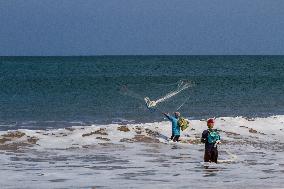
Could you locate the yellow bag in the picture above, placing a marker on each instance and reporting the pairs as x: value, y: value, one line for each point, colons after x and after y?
x: 183, y: 123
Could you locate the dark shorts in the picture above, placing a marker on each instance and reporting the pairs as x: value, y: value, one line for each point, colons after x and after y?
x: 175, y: 138
x: 211, y: 155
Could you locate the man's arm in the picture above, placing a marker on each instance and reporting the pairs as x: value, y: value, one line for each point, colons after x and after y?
x: 219, y: 138
x: 204, y: 136
x: 168, y: 116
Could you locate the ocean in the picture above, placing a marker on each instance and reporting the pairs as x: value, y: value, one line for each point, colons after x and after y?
x: 82, y: 122
x: 35, y: 91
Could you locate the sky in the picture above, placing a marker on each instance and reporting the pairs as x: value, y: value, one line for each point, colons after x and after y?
x: 141, y: 27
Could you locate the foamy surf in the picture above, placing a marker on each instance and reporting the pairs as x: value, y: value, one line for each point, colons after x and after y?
x: 140, y: 156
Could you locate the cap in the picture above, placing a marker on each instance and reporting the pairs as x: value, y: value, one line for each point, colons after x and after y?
x: 211, y: 120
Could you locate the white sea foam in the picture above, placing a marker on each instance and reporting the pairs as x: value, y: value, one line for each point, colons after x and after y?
x: 139, y: 156
x: 265, y: 129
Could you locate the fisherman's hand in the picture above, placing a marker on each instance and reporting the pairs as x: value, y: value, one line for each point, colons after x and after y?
x: 218, y: 142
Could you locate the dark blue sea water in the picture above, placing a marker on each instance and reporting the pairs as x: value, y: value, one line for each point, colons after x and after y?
x: 58, y: 91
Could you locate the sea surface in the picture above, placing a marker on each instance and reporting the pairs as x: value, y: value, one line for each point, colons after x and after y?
x: 39, y: 92
x: 82, y: 122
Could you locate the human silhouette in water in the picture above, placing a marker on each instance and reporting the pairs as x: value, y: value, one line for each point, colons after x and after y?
x: 211, y: 138
x: 175, y: 126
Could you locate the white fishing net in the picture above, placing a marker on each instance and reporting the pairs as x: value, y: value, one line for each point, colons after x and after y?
x: 180, y: 86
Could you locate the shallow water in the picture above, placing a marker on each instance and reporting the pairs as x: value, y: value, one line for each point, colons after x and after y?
x: 80, y: 157
x: 142, y: 166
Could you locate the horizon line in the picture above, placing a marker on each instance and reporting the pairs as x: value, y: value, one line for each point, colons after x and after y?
x: 139, y: 55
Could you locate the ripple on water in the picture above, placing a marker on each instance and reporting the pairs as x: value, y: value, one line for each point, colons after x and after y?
x: 58, y: 180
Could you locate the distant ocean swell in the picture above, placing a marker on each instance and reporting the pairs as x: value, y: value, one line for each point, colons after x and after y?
x: 42, y: 92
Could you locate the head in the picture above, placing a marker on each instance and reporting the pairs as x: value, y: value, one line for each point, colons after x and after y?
x: 177, y: 114
x: 210, y: 123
